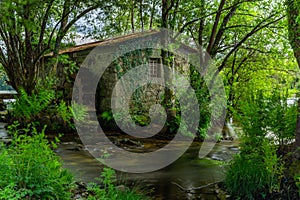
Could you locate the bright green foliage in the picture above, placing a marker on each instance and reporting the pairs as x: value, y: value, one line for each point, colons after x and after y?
x: 253, y: 113
x: 258, y: 170
x: 63, y: 111
x: 30, y: 169
x: 260, y: 115
x: 42, y: 104
x: 106, y: 120
x: 282, y: 118
x: 107, y: 115
x: 67, y: 113
x: 79, y: 112
x: 109, y: 190
x: 259, y: 73
x: 27, y: 107
x: 254, y: 174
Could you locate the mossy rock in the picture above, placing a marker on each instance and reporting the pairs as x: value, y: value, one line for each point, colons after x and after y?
x: 208, y: 162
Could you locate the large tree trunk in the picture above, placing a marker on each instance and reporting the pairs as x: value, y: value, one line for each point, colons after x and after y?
x: 293, y: 14
x: 297, y: 143
x: 167, y: 74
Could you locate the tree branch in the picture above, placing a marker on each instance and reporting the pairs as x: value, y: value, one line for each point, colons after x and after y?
x: 215, y: 26
x: 257, y: 28
x: 70, y: 24
x: 205, y: 16
x: 44, y: 23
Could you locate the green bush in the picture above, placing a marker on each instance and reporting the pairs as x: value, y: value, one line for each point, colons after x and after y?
x: 42, y: 107
x: 258, y: 170
x: 260, y: 115
x: 109, y: 191
x: 30, y: 169
x: 252, y: 116
x: 282, y: 118
x: 245, y: 176
x: 28, y: 107
x: 254, y: 173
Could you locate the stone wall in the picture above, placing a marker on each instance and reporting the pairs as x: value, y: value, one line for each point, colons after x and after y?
x: 149, y: 94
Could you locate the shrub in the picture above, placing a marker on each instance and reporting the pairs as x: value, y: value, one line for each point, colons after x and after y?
x: 260, y: 115
x: 245, y: 176
x: 282, y: 118
x: 32, y: 169
x: 258, y: 170
x: 27, y: 107
x: 254, y: 173
x: 252, y: 117
x: 43, y: 107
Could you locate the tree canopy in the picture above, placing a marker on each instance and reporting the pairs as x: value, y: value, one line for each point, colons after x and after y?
x: 31, y: 28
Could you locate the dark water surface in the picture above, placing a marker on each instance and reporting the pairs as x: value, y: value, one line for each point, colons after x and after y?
x: 188, y: 171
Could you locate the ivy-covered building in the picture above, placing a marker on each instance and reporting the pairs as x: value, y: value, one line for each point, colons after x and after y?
x: 75, y: 57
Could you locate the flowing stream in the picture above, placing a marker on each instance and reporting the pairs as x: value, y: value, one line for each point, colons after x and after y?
x: 187, y: 172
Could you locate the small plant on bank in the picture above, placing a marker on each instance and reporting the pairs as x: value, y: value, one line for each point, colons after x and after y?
x: 253, y: 174
x: 258, y: 170
x: 109, y: 191
x: 29, y: 169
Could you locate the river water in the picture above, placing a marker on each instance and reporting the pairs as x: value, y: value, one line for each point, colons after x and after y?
x: 187, y: 172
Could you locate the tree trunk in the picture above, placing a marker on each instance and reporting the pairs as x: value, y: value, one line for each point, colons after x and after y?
x: 293, y: 15
x: 297, y: 143
x: 132, y: 16
x: 166, y: 61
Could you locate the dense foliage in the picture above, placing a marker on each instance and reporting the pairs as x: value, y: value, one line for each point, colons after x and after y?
x: 30, y: 169
x: 272, y: 117
x: 255, y: 172
x: 265, y: 121
x: 42, y: 108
